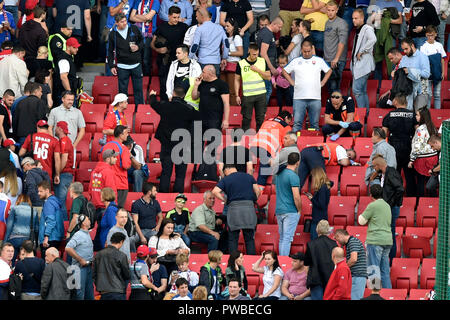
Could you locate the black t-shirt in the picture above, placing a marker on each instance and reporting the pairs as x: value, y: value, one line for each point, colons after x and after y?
x: 237, y: 10
x: 347, y: 105
x: 181, y: 73
x: 400, y: 123
x: 211, y: 104
x: 238, y: 68
x: 179, y: 219
x: 373, y: 297
x: 266, y: 36
x: 238, y: 186
x: 174, y: 35
x: 6, y: 121
x: 237, y: 155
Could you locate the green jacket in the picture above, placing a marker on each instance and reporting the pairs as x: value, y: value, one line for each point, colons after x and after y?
x: 384, y: 40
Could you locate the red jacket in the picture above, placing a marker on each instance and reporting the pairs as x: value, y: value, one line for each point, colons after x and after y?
x: 102, y: 176
x: 122, y: 165
x: 339, y: 285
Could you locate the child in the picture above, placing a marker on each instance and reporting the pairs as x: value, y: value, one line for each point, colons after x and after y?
x: 182, y: 261
x: 183, y: 292
x: 436, y: 53
x: 211, y: 275
x: 180, y: 216
x: 284, y: 89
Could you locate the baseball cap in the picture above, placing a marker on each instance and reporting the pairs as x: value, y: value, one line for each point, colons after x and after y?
x: 153, y: 252
x: 298, y: 256
x: 42, y: 123
x: 181, y: 196
x: 30, y: 5
x: 64, y: 126
x: 27, y: 160
x: 120, y: 97
x: 8, y: 142
x: 73, y: 42
x: 108, y: 153
x: 142, y: 251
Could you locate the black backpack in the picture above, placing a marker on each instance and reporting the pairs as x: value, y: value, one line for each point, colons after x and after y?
x: 89, y: 210
x: 130, y: 227
x: 15, y: 287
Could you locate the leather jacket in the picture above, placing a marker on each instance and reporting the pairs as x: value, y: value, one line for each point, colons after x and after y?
x: 111, y: 271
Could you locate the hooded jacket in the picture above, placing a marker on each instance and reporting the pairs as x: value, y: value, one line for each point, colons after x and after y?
x: 31, y: 37
x: 195, y: 70
x: 206, y: 278
x: 51, y: 223
x: 30, y: 185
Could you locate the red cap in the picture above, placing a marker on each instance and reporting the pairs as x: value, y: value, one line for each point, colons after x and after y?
x: 31, y: 4
x: 63, y: 125
x: 42, y: 123
x: 8, y: 142
x: 153, y: 252
x: 142, y: 251
x: 73, y: 42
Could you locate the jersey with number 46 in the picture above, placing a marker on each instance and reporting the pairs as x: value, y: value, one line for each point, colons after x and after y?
x: 44, y: 146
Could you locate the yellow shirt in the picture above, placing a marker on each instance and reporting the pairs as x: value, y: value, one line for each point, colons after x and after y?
x: 319, y: 18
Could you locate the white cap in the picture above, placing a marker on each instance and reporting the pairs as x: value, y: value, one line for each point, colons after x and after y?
x: 121, y: 97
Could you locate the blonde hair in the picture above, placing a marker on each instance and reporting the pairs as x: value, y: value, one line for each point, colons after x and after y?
x: 323, y: 227
x: 10, y: 185
x: 108, y: 194
x: 214, y: 255
x: 200, y: 293
x: 319, y: 178
x: 42, y: 50
x: 181, y: 258
x: 23, y: 198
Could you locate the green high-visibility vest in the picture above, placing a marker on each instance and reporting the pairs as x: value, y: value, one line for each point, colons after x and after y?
x: 50, y: 55
x: 188, y: 97
x: 252, y: 83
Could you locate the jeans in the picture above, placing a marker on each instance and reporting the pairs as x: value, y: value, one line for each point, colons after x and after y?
x: 269, y: 89
x: 313, y: 233
x: 317, y: 37
x: 285, y: 93
x: 300, y: 106
x: 136, y: 79
x: 436, y: 94
x: 136, y: 177
x: 316, y: 293
x: 378, y: 258
x: 395, y: 211
x: 257, y: 102
x: 114, y: 296
x: 334, y: 82
x: 86, y: 291
x: 419, y: 41
x: 147, y: 57
x: 358, y: 286
x: 245, y: 43
x: 14, y: 10
x: 359, y: 88
x: 441, y: 31
x: 148, y: 233
x: 16, y: 243
x: 65, y: 179
x: 200, y: 236
x: 249, y: 239
x: 310, y: 158
x: 287, y: 223
x: 286, y: 298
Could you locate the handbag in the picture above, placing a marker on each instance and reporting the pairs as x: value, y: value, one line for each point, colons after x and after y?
x: 432, y: 183
x: 167, y: 258
x: 230, y: 66
x: 32, y: 231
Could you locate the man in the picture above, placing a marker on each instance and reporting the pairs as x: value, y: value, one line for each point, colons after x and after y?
x: 315, y: 12
x: 289, y: 10
x: 125, y: 58
x: 339, y: 285
x: 26, y: 93
x: 318, y: 259
x: 253, y: 70
x: 138, y: 170
x: 168, y: 37
x: 64, y: 154
x: 32, y: 177
x: 356, y: 261
x: 382, y: 147
x: 78, y: 205
x: 144, y: 14
x: 6, y: 49
x: 6, y: 130
x: 203, y: 223
x: 159, y: 275
x: 121, y: 221
x: 51, y: 225
x: 146, y: 213
x: 435, y: 142
x: 416, y: 65
x: 122, y: 165
x: 400, y: 126
x: 103, y: 176
x: 234, y: 289
x: 209, y: 40
x: 341, y: 120
x: 265, y: 40
x: 288, y: 203
x: 54, y: 284
x: 6, y: 255
x: 111, y: 270
x: 236, y: 154
x: 81, y: 249
x: 290, y: 146
x: 293, y: 286
x: 185, y: 13
x: 379, y: 235
x: 186, y: 114
x: 335, y: 45
x: 43, y: 147
x: 65, y: 78
x: 57, y: 43
x: 116, y: 116
x: 362, y: 63
x: 349, y: 7
x: 241, y: 191
x: 424, y: 14
x: 13, y: 71
x: 5, y: 205
x: 307, y: 70
x: 181, y: 68
x: 392, y: 184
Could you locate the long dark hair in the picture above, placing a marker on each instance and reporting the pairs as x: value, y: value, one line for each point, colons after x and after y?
x: 40, y: 76
x: 274, y: 255
x: 232, y: 259
x: 163, y: 224
x: 235, y: 25
x: 425, y: 117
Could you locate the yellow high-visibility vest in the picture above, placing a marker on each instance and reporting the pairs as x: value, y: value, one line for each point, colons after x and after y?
x: 188, y: 96
x: 252, y: 83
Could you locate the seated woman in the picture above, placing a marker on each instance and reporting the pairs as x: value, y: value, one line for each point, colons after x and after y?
x: 236, y: 270
x: 272, y: 275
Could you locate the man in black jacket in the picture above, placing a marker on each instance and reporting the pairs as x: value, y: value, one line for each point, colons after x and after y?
x: 124, y: 56
x: 175, y: 114
x: 392, y: 193
x: 318, y: 258
x: 111, y: 271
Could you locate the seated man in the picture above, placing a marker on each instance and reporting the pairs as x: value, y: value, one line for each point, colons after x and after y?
x: 138, y: 172
x: 181, y: 217
x: 293, y: 286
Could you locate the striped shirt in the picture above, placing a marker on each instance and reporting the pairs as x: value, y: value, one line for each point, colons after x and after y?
x: 359, y: 269
x: 258, y: 6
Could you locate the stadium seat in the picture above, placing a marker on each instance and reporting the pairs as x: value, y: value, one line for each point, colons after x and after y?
x: 416, y: 242
x: 271, y: 219
x: 439, y: 115
x: 359, y: 232
x: 346, y: 142
x: 362, y: 205
x: 84, y: 176
x: 342, y: 210
x: 418, y: 294
x: 352, y: 181
x: 146, y: 122
x: 398, y: 240
x: 393, y: 294
x: 87, y: 165
x: 322, y: 111
x: 333, y: 174
x: 154, y: 85
x: 142, y: 140
x: 306, y: 209
x: 154, y: 172
x: 196, y: 261
x: 129, y: 111
x: 272, y: 112
x: 94, y: 121
x: 132, y: 197
x: 404, y: 273
x: 218, y: 206
x: 83, y: 148
x: 363, y: 148
x: 235, y: 120
x: 154, y: 149
x: 93, y: 108
x: 406, y: 217
x: 300, y: 240
x: 333, y: 230
x: 372, y: 88
x: 2, y: 230
x: 427, y: 212
x: 428, y: 273
x: 362, y: 117
x: 435, y: 241
x: 307, y: 141
x: 385, y: 86
x: 96, y: 147
x: 104, y: 89
x: 375, y: 119
x: 266, y: 238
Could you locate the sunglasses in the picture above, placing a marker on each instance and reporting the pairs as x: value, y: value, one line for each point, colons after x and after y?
x: 181, y: 201
x: 336, y: 97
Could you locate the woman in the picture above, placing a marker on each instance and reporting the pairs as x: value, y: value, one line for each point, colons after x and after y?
x: 294, y: 49
x: 12, y: 184
x: 272, y: 275
x: 42, y: 77
x: 234, y: 55
x: 19, y: 222
x: 320, y: 186
x: 108, y: 220
x: 168, y: 244
x: 41, y: 62
x: 423, y: 158
x: 206, y: 4
x: 236, y: 270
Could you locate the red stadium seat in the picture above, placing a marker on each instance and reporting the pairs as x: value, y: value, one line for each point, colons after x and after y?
x: 132, y: 197
x: 418, y: 294
x: 362, y: 116
x: 187, y: 179
x: 154, y: 149
x: 393, y: 294
x: 342, y: 210
x: 300, y: 241
x: 427, y: 212
x: 155, y: 172
x: 375, y: 119
x: 84, y: 176
x: 271, y: 219
x: 104, y: 89
x: 83, y: 148
x: 196, y: 261
x: 352, y: 181
x: 154, y: 85
x: 439, y: 115
x: 406, y: 217
x: 416, y: 242
x: 435, y: 242
x: 235, y: 120
x: 307, y: 141
x: 94, y: 121
x: 359, y: 232
x: 385, y: 86
x: 372, y: 88
x: 131, y: 108
x: 363, y: 148
x: 404, y: 273
x: 322, y: 112
x: 88, y: 165
x: 346, y: 142
x: 306, y: 209
x: 266, y: 238
x: 142, y: 140
x: 362, y: 205
x: 333, y: 174
x: 93, y: 108
x: 146, y: 122
x: 428, y: 273
x: 398, y: 241
x: 144, y: 108
x: 96, y: 147
x: 272, y: 112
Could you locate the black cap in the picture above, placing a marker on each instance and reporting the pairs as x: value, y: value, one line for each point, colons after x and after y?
x: 298, y: 256
x: 181, y: 196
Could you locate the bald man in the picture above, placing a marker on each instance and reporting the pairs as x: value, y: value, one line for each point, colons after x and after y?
x: 339, y: 285
x: 54, y: 279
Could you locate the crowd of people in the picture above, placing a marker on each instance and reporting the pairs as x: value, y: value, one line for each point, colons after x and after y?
x: 210, y: 55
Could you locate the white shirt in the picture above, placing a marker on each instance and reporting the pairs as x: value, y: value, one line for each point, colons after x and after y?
x: 16, y: 160
x: 341, y: 153
x: 235, y: 42
x: 64, y: 66
x: 268, y: 280
x: 307, y: 76
x: 295, y: 53
x: 139, y: 154
x: 433, y: 48
x: 5, y: 270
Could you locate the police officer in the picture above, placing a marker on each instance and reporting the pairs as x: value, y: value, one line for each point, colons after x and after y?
x: 400, y: 125
x: 57, y: 43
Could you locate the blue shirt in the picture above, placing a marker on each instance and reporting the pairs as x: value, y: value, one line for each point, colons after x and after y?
x: 417, y: 61
x: 14, y: 105
x: 6, y: 35
x: 147, y: 212
x: 208, y: 39
x: 387, y: 4
x: 126, y: 10
x: 184, y: 5
x: 238, y: 186
x: 81, y: 242
x: 155, y: 6
x: 66, y: 12
x: 285, y: 199
x: 159, y: 274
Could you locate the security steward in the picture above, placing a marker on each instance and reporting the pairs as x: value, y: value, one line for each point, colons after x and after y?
x: 57, y: 43
x: 400, y: 126
x: 341, y: 120
x: 269, y: 141
x: 188, y: 84
x: 185, y: 114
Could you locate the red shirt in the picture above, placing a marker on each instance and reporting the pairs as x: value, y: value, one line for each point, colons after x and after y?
x: 66, y: 146
x: 122, y: 165
x: 112, y: 120
x: 44, y: 146
x: 5, y: 53
x: 339, y: 286
x: 101, y: 177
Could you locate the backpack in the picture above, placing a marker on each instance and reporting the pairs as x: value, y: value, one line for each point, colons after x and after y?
x: 120, y: 150
x: 130, y: 226
x: 88, y: 209
x: 206, y: 172
x: 15, y: 287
